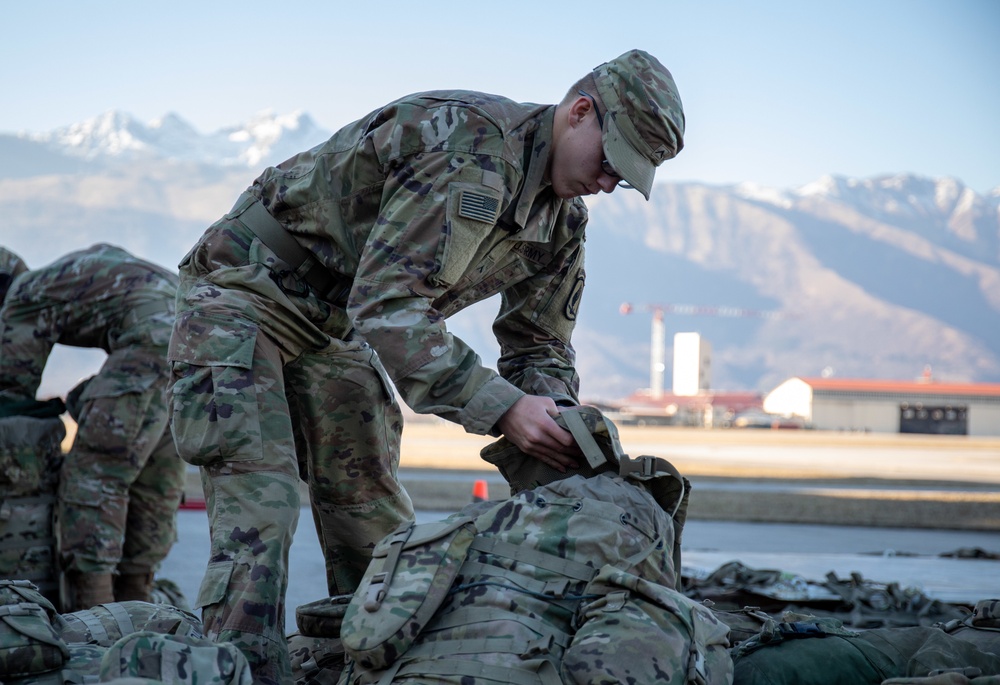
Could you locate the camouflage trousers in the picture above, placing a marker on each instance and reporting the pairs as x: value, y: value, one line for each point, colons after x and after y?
x: 269, y: 387
x: 122, y: 481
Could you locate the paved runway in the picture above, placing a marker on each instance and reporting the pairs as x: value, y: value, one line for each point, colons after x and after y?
x: 879, y: 554
x: 739, y: 477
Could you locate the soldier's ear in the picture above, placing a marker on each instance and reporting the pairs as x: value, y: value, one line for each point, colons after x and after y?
x: 578, y: 110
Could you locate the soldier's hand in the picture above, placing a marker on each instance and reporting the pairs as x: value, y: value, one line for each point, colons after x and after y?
x: 529, y: 425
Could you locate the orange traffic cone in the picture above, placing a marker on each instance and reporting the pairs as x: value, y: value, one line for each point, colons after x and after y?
x: 480, y: 491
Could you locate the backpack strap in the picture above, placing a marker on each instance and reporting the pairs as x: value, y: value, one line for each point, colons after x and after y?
x: 558, y: 565
x: 547, y: 673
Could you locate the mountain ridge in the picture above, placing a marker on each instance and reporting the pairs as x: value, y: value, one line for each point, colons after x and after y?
x: 875, y: 277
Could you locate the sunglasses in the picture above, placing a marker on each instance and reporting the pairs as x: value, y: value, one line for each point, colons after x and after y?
x: 605, y: 164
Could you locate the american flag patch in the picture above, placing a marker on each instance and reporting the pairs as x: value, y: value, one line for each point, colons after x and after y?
x: 478, y: 207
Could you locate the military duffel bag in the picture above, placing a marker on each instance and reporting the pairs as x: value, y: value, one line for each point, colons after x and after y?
x: 809, y: 650
x: 176, y: 659
x: 105, y: 624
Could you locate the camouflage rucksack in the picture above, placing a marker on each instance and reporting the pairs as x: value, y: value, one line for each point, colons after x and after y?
x: 315, y: 660
x: 30, y: 459
x: 316, y: 651
x: 569, y: 582
x: 597, y: 437
x: 29, y: 642
x: 176, y: 659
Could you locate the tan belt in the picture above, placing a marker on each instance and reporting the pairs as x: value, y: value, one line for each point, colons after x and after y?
x: 328, y: 286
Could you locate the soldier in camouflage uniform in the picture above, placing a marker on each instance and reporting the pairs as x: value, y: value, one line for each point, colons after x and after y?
x: 327, y: 287
x: 122, y: 481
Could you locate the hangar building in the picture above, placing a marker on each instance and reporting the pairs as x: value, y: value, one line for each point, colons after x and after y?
x: 884, y: 406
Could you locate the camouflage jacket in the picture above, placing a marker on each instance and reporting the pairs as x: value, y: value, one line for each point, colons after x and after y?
x: 426, y: 206
x: 101, y: 297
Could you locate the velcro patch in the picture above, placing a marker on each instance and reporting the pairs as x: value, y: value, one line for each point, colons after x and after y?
x: 478, y: 206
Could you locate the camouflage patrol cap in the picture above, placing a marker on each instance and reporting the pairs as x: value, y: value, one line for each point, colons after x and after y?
x: 11, y: 266
x: 644, y: 124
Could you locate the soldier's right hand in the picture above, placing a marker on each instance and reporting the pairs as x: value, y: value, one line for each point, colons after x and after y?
x: 529, y: 425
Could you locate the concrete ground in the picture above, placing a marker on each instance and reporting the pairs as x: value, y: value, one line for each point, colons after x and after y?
x: 883, y: 506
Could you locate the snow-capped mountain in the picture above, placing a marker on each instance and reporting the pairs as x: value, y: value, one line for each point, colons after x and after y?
x: 873, y: 277
x: 118, y: 136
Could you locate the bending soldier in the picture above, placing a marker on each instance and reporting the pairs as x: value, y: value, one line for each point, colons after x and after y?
x: 326, y: 289
x: 122, y: 481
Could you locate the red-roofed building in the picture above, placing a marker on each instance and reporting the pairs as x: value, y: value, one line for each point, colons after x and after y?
x: 885, y: 406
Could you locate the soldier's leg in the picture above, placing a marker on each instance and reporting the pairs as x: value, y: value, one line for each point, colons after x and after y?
x: 233, y: 421
x: 93, y: 494
x: 151, y: 528
x: 351, y: 427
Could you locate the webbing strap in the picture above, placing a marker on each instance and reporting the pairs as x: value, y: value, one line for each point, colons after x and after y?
x: 546, y: 675
x: 98, y: 632
x: 470, y: 615
x: 260, y: 221
x: 549, y: 562
x: 553, y: 588
x: 584, y: 438
x: 121, y: 617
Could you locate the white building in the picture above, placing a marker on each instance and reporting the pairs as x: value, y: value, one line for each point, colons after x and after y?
x: 692, y: 364
x: 890, y: 406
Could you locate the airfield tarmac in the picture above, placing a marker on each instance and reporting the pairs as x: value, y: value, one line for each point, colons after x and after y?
x: 884, y: 506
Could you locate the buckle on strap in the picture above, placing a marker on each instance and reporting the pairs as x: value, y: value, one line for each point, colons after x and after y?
x: 644, y: 467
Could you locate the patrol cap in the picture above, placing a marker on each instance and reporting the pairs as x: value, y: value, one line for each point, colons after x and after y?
x: 11, y: 266
x: 644, y: 124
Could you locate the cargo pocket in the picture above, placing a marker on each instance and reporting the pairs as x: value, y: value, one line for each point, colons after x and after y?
x: 215, y: 584
x: 214, y: 414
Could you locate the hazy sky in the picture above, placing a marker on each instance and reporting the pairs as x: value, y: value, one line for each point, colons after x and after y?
x: 775, y: 92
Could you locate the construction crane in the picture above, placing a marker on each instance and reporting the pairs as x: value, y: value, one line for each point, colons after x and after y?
x: 657, y: 366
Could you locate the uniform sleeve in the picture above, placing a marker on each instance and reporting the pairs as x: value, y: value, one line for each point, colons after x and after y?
x: 538, y: 316
x: 437, y: 208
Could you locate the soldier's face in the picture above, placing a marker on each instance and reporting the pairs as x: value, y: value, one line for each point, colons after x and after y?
x: 578, y: 165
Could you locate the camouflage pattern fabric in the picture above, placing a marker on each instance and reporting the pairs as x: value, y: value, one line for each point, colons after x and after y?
x: 29, y: 644
x: 284, y: 367
x: 315, y: 660
x: 523, y: 472
x: 571, y: 582
x: 11, y: 266
x: 30, y: 459
x: 855, y: 601
x: 122, y: 481
x: 105, y: 624
x: 177, y: 659
x: 259, y: 359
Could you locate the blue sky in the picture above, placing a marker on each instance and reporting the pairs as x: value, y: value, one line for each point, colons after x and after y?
x: 775, y: 92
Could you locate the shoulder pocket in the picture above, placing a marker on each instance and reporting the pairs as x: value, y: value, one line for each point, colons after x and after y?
x: 473, y: 211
